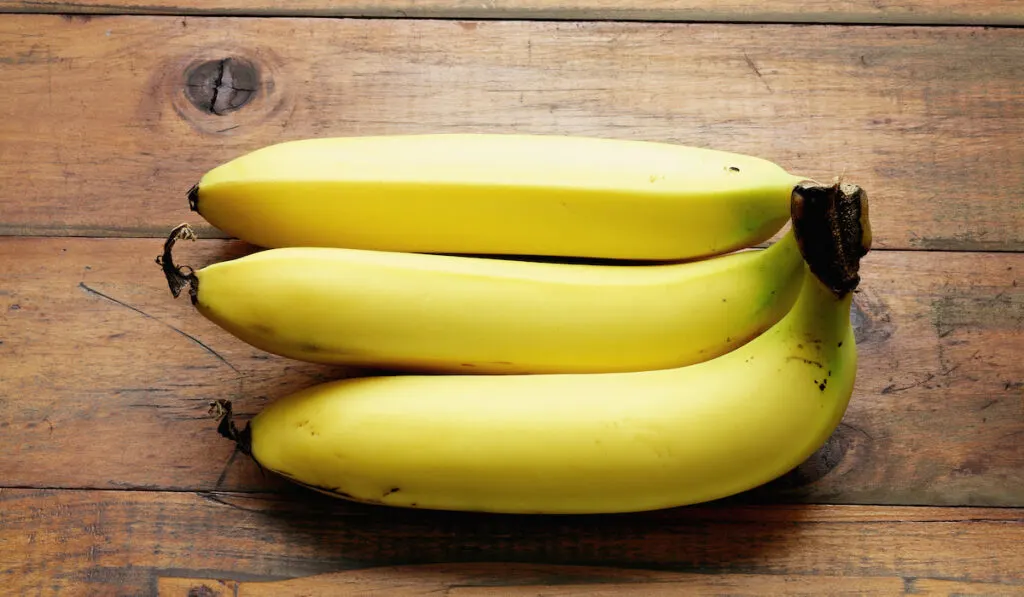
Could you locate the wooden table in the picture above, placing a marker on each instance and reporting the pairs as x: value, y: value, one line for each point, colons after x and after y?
x: 113, y: 479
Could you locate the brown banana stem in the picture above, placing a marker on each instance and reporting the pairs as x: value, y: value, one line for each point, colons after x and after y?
x: 832, y: 229
x: 179, y: 276
x: 193, y: 198
x: 221, y: 410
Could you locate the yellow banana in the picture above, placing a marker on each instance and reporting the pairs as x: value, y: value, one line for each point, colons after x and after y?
x: 588, y: 443
x: 441, y: 313
x: 498, y: 194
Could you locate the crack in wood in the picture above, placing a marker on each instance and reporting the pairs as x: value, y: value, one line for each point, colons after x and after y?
x: 757, y: 71
x: 195, y: 340
x: 227, y: 467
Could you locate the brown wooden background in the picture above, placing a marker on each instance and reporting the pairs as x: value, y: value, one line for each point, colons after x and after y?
x: 112, y: 479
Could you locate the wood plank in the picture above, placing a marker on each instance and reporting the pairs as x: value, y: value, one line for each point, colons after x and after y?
x: 85, y: 383
x: 121, y: 542
x: 522, y: 580
x: 101, y: 365
x: 926, y: 119
x: 941, y: 12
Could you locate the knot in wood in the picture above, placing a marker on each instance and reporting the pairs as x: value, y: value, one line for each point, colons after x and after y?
x: 221, y: 86
x: 202, y: 591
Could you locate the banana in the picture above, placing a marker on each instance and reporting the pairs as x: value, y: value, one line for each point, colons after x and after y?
x: 590, y: 443
x: 498, y: 194
x: 453, y: 314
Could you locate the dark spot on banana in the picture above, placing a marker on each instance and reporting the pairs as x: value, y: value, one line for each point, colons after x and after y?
x: 799, y: 345
x: 310, y: 347
x: 840, y: 345
x: 468, y: 365
x: 390, y: 491
x: 822, y: 385
x: 808, y: 361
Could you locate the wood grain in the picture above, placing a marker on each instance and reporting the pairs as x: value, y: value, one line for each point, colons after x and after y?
x: 123, y: 379
x: 101, y: 366
x: 926, y: 119
x: 121, y: 542
x: 953, y: 12
x: 522, y: 580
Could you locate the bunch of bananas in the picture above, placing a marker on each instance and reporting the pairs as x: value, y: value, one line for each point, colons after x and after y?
x: 572, y: 325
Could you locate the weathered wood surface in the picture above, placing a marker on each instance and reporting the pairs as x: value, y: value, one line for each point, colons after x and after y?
x: 121, y: 542
x: 113, y: 480
x: 953, y: 12
x: 107, y: 379
x: 522, y: 580
x: 926, y: 118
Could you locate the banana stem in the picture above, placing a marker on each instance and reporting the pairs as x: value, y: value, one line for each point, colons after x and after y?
x: 833, y: 232
x: 179, y: 276
x: 193, y: 198
x: 221, y: 410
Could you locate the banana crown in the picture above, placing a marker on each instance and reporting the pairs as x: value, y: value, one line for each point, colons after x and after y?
x: 831, y: 226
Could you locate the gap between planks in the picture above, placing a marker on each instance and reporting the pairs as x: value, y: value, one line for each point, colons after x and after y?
x: 207, y: 233
x: 297, y: 496
x: 994, y: 13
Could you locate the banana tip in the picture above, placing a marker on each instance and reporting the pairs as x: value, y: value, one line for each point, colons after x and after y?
x: 221, y: 410
x: 193, y: 198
